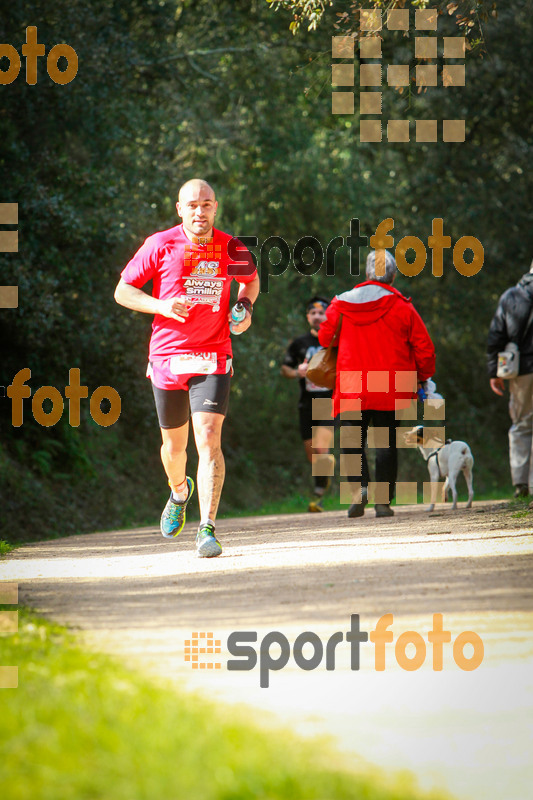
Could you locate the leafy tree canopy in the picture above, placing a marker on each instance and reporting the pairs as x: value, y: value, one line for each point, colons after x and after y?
x: 469, y: 15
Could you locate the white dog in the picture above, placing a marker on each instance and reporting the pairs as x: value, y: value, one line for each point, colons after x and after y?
x: 446, y: 462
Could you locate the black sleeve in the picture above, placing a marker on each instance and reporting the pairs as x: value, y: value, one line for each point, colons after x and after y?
x: 292, y: 355
x: 508, y: 324
x: 498, y: 335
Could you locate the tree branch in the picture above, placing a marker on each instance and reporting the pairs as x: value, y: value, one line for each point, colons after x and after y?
x: 218, y: 50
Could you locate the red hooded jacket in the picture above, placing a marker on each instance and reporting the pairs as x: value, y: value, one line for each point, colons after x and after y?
x: 384, y: 348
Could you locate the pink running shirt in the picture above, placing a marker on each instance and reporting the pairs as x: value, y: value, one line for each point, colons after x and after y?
x: 177, y: 266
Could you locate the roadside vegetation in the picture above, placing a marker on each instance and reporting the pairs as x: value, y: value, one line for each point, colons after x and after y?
x: 80, y: 726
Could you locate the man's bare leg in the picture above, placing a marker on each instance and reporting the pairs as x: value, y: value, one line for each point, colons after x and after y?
x: 174, y: 454
x: 211, y: 468
x: 174, y: 458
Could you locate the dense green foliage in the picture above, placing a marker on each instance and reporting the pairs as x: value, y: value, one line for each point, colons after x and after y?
x: 468, y: 15
x: 80, y: 727
x: 168, y: 90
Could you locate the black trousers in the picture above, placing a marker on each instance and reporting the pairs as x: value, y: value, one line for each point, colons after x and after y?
x: 386, y: 457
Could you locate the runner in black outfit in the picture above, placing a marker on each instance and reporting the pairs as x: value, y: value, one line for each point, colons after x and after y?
x: 294, y: 365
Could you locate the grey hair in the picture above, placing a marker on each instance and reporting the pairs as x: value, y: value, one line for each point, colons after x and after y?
x: 390, y: 268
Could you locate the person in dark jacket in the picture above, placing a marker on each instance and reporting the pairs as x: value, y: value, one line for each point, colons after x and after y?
x: 384, y: 352
x: 316, y: 432
x: 512, y: 323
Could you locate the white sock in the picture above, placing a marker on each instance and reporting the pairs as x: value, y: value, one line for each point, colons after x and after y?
x: 180, y: 497
x: 207, y: 522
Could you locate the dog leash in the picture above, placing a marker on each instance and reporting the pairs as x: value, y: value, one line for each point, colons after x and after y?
x: 436, y: 454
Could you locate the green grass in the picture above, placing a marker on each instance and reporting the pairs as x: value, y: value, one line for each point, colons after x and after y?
x: 520, y: 507
x: 294, y: 504
x: 82, y: 727
x: 297, y: 503
x: 5, y: 548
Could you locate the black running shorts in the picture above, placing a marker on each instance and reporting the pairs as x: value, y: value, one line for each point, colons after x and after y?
x: 206, y: 393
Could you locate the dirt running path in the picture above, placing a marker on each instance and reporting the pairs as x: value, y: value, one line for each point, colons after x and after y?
x: 137, y: 595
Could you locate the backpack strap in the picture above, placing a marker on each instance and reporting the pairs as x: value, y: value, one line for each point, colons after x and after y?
x: 335, y: 339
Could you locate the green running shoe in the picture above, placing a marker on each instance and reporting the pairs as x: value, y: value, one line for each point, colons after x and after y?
x: 173, y: 516
x: 207, y: 545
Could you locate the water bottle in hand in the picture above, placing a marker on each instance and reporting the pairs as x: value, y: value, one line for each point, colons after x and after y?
x: 422, y: 392
x: 238, y: 313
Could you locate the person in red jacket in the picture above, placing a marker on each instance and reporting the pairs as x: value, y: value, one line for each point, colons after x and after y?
x: 384, y: 353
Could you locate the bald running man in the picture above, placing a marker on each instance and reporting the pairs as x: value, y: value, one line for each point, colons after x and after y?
x: 190, y: 358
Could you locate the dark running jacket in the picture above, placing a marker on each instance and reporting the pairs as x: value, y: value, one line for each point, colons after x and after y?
x: 384, y: 348
x: 509, y: 323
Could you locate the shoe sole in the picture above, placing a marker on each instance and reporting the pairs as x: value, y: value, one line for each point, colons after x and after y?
x: 209, y: 548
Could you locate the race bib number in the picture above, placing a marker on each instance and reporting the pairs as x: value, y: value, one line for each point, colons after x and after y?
x: 194, y: 363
